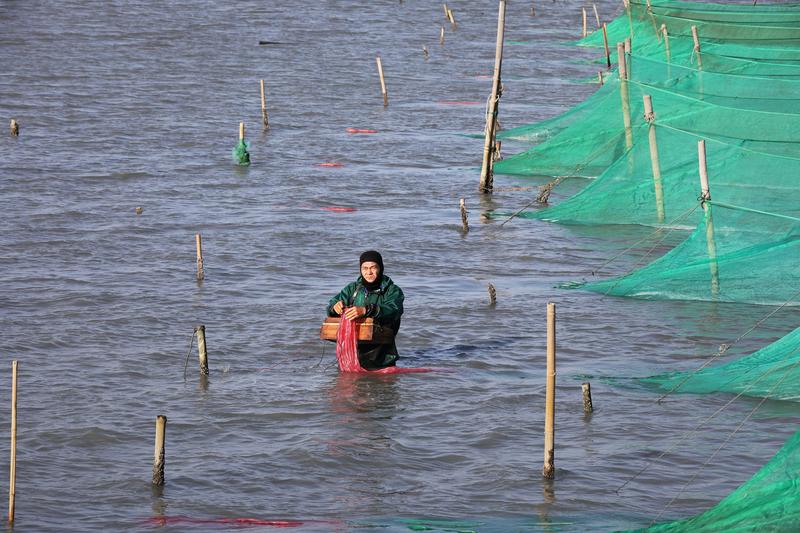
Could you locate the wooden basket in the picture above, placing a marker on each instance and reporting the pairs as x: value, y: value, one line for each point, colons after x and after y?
x: 366, y: 330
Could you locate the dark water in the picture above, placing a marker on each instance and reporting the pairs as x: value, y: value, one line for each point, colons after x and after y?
x: 126, y: 104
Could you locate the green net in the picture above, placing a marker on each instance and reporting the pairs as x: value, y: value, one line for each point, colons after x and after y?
x: 768, y: 501
x: 240, y: 154
x: 734, y: 255
x: 771, y: 372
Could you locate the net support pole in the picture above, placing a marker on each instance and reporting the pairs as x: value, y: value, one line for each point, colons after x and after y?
x: 12, y: 467
x: 202, y: 354
x: 264, y: 115
x: 627, y: 5
x: 705, y: 196
x: 159, y: 454
x: 596, y: 14
x: 487, y: 170
x: 666, y: 41
x: 583, y: 33
x: 625, y: 98
x: 549, y: 468
x: 605, y: 45
x: 696, y: 40
x: 383, y: 82
x: 650, y: 117
x: 198, y: 241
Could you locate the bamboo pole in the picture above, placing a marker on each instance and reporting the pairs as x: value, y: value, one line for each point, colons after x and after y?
x: 586, y: 390
x: 198, y: 240
x: 159, y: 455
x: 241, y: 131
x: 605, y: 45
x: 446, y: 10
x: 625, y: 97
x: 666, y: 41
x: 464, y: 222
x: 596, y: 15
x: 12, y: 483
x: 549, y: 468
x: 441, y: 35
x: 485, y: 185
x: 649, y: 117
x: 264, y: 115
x: 696, y: 40
x: 383, y: 82
x: 450, y: 17
x: 583, y: 33
x: 202, y: 354
x: 705, y: 196
x: 621, y: 63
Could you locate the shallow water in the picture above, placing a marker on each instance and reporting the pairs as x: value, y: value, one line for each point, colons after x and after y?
x: 126, y: 104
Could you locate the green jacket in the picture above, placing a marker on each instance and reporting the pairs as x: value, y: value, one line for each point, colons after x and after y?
x: 385, y: 306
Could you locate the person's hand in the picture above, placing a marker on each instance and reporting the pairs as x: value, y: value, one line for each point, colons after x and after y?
x: 338, y: 307
x: 355, y: 312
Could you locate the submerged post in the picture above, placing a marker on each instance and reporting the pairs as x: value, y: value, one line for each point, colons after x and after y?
x: 696, y: 40
x: 202, y: 354
x: 605, y: 45
x: 383, y: 82
x: 464, y: 222
x: 159, y: 454
x: 650, y: 117
x: 14, y: 127
x: 492, y: 295
x: 264, y: 116
x: 12, y: 483
x: 586, y: 390
x: 705, y: 196
x: 487, y: 170
x: 549, y: 468
x: 198, y: 240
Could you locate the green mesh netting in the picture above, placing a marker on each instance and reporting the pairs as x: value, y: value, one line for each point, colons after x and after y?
x: 768, y: 501
x: 734, y: 255
x: 771, y: 372
x: 240, y: 154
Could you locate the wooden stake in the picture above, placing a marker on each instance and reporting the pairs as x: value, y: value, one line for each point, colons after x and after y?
x: 666, y: 40
x: 605, y: 45
x: 446, y: 10
x: 696, y: 40
x: 464, y: 222
x: 441, y: 36
x: 450, y: 17
x: 583, y: 33
x: 12, y: 483
x: 549, y: 468
x: 383, y: 82
x: 600, y: 77
x: 492, y: 295
x: 705, y: 196
x: 159, y: 453
x: 497, y: 145
x: 202, y: 354
x: 241, y: 131
x: 649, y: 117
x: 199, y: 244
x: 487, y: 167
x: 586, y: 389
x: 264, y: 116
x: 596, y: 16
x: 14, y: 126
x: 425, y: 52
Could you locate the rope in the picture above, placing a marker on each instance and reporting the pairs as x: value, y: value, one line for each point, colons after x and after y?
x: 756, y: 211
x: 730, y: 436
x: 724, y: 347
x: 669, y: 227
x: 711, y: 417
x: 186, y: 364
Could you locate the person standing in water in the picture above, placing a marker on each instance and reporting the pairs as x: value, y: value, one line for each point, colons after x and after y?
x: 372, y: 295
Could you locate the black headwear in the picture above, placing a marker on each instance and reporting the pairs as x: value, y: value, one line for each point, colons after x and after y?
x: 374, y: 257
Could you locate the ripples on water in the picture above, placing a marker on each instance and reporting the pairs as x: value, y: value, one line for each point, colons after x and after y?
x: 126, y: 104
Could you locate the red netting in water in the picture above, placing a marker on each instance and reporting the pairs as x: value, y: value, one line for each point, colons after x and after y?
x: 347, y: 353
